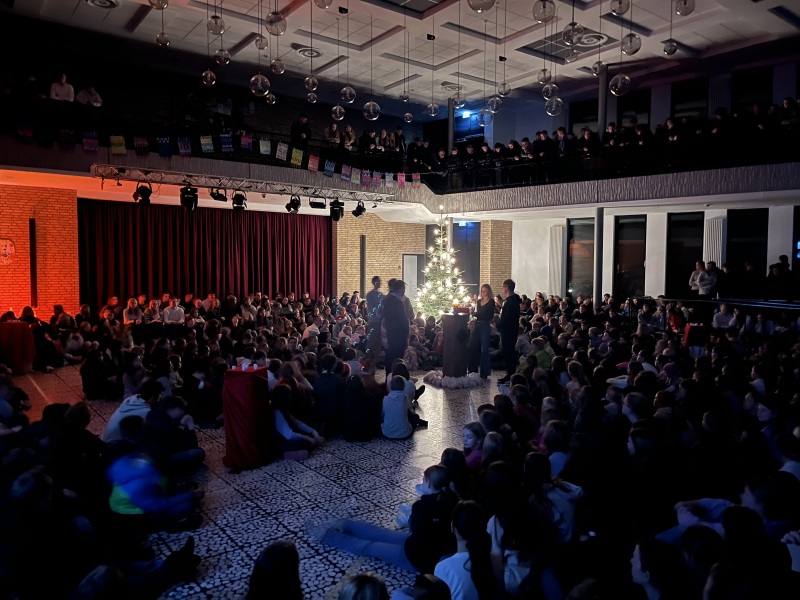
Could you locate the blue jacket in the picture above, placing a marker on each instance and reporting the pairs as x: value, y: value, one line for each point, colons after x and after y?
x: 140, y: 488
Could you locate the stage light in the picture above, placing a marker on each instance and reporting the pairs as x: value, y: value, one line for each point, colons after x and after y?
x: 318, y: 203
x: 189, y: 197
x: 337, y: 209
x: 294, y: 204
x: 218, y: 195
x: 142, y: 194
x: 239, y: 201
x: 359, y: 211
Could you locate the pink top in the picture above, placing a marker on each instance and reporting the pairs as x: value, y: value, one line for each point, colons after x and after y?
x: 474, y: 459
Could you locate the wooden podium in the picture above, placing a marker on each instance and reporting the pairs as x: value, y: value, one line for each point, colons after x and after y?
x: 454, y: 350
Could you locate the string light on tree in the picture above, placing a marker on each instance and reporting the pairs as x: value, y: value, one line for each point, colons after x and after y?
x: 443, y: 288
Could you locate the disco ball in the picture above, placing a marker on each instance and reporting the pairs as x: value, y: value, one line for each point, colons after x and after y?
x: 684, y: 8
x: 503, y: 89
x: 598, y: 67
x: 312, y: 98
x: 259, y: 85
x: 670, y: 47
x: 311, y: 83
x: 408, y: 117
x: 459, y: 101
x: 216, y: 25
x: 480, y: 6
x: 208, y: 78
x: 404, y: 96
x: 162, y: 40
x: 554, y: 106
x: 493, y: 104
x: 277, y: 66
x: 544, y: 76
x: 543, y: 10
x: 620, y: 84
x: 222, y: 57
x: 262, y: 42
x: 432, y: 109
x: 549, y: 91
x: 620, y: 7
x: 371, y: 111
x: 275, y: 23
x: 572, y: 34
x: 337, y: 112
x: 348, y: 94
x: 485, y: 118
x: 631, y: 44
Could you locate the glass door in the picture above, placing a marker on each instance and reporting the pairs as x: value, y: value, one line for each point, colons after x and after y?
x: 629, y: 256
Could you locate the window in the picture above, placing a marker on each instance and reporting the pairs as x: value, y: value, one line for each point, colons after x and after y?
x: 583, y: 114
x: 629, y: 256
x: 466, y: 240
x: 633, y: 109
x: 752, y: 86
x: 747, y: 239
x: 690, y: 98
x: 684, y: 249
x: 580, y: 257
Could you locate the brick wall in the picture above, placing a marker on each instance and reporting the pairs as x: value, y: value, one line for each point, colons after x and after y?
x: 495, y: 253
x: 56, y: 214
x: 386, y: 244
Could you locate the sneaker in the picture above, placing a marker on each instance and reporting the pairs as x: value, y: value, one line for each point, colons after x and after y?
x: 419, y: 391
x: 422, y: 423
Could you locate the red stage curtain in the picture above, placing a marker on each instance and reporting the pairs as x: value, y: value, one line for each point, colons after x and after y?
x: 126, y: 249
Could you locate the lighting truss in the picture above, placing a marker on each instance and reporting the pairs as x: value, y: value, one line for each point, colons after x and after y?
x: 121, y: 173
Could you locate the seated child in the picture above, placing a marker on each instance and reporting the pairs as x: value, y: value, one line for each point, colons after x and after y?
x: 473, y: 435
x: 433, y: 482
x: 399, y: 418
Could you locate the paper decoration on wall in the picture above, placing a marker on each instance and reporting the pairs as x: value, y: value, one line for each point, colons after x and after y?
x: 246, y: 142
x: 415, y: 180
x: 265, y: 147
x: 355, y: 176
x: 297, y: 157
x: 206, y: 144
x: 184, y: 146
x: 118, y: 145
x: 226, y: 141
x: 389, y: 180
x: 7, y: 251
x: 313, y: 163
x: 346, y: 172
x: 283, y: 150
x: 377, y: 179
x: 164, y: 147
x: 401, y: 180
x: 330, y: 167
x: 141, y: 145
x: 90, y: 141
x: 366, y: 178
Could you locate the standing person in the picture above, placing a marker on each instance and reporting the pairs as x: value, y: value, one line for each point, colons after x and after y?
x: 508, y: 326
x: 694, y: 278
x: 394, y: 323
x: 478, y: 348
x: 374, y: 299
x: 708, y: 280
x: 300, y: 132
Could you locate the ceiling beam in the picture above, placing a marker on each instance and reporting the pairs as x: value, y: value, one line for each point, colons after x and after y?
x: 243, y: 43
x: 422, y: 65
x: 138, y: 16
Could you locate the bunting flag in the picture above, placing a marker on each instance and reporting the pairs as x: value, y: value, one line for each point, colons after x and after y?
x: 389, y: 177
x: 164, y: 147
x: 184, y: 146
x: 90, y: 141
x: 330, y: 167
x: 246, y: 143
x: 283, y: 150
x: 355, y: 176
x: 346, y: 172
x: 141, y: 145
x: 297, y: 157
x: 265, y: 147
x: 25, y: 131
x: 118, y: 145
x: 401, y: 180
x: 313, y: 163
x: 415, y: 180
x: 366, y: 179
x: 226, y: 141
x: 206, y: 144
x: 377, y: 179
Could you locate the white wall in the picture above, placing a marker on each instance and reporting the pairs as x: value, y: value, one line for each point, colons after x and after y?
x: 530, y: 255
x: 780, y: 232
x: 609, y: 266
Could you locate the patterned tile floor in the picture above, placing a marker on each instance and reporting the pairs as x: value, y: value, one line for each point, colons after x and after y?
x: 246, y: 512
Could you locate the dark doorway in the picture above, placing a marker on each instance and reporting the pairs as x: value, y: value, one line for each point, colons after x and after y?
x: 684, y: 249
x: 580, y: 257
x: 630, y: 233
x: 747, y: 239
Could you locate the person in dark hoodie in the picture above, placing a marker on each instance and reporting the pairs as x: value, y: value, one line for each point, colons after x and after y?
x: 508, y: 326
x: 329, y: 393
x: 171, y: 438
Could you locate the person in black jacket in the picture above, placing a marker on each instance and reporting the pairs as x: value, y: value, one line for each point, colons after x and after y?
x: 300, y: 132
x: 508, y: 326
x: 329, y: 393
x: 395, y: 323
x: 478, y: 347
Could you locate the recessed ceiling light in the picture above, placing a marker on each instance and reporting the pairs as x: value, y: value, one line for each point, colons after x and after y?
x: 104, y: 4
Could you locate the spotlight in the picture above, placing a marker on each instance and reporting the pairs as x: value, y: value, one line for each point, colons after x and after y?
x: 318, y: 203
x: 189, y: 197
x: 142, y: 194
x: 359, y: 211
x: 337, y: 209
x: 218, y: 195
x: 294, y: 204
x: 239, y: 201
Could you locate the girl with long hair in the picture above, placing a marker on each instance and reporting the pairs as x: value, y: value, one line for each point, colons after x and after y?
x: 478, y: 347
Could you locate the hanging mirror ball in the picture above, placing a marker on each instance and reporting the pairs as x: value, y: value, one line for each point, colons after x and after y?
x: 222, y: 57
x: 209, y: 78
x: 493, y: 104
x: 159, y: 4
x: 620, y: 7
x: 270, y: 98
x: 348, y: 94
x: 598, y: 67
x: 480, y: 6
x: 670, y: 47
x: 371, y: 111
x: 323, y: 4
x: 259, y: 85
x: 684, y: 8
x: 277, y: 66
x: 162, y: 39
x: 311, y: 83
x: 408, y: 117
x: 216, y: 25
x: 262, y: 42
x: 312, y: 98
x: 620, y: 84
x: 485, y: 118
x: 543, y: 10
x: 631, y: 44
x: 459, y: 101
x: 550, y: 90
x: 337, y: 112
x: 544, y: 76
x: 554, y: 106
x: 504, y: 89
x: 432, y: 109
x: 572, y: 34
x: 275, y: 23
x: 404, y: 96
x: 572, y: 56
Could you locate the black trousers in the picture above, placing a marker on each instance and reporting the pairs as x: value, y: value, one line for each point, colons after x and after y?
x: 507, y: 347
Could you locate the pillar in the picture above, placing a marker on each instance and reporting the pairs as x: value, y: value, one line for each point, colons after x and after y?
x: 597, y: 282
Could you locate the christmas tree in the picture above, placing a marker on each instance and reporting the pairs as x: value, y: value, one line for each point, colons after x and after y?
x: 443, y: 288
